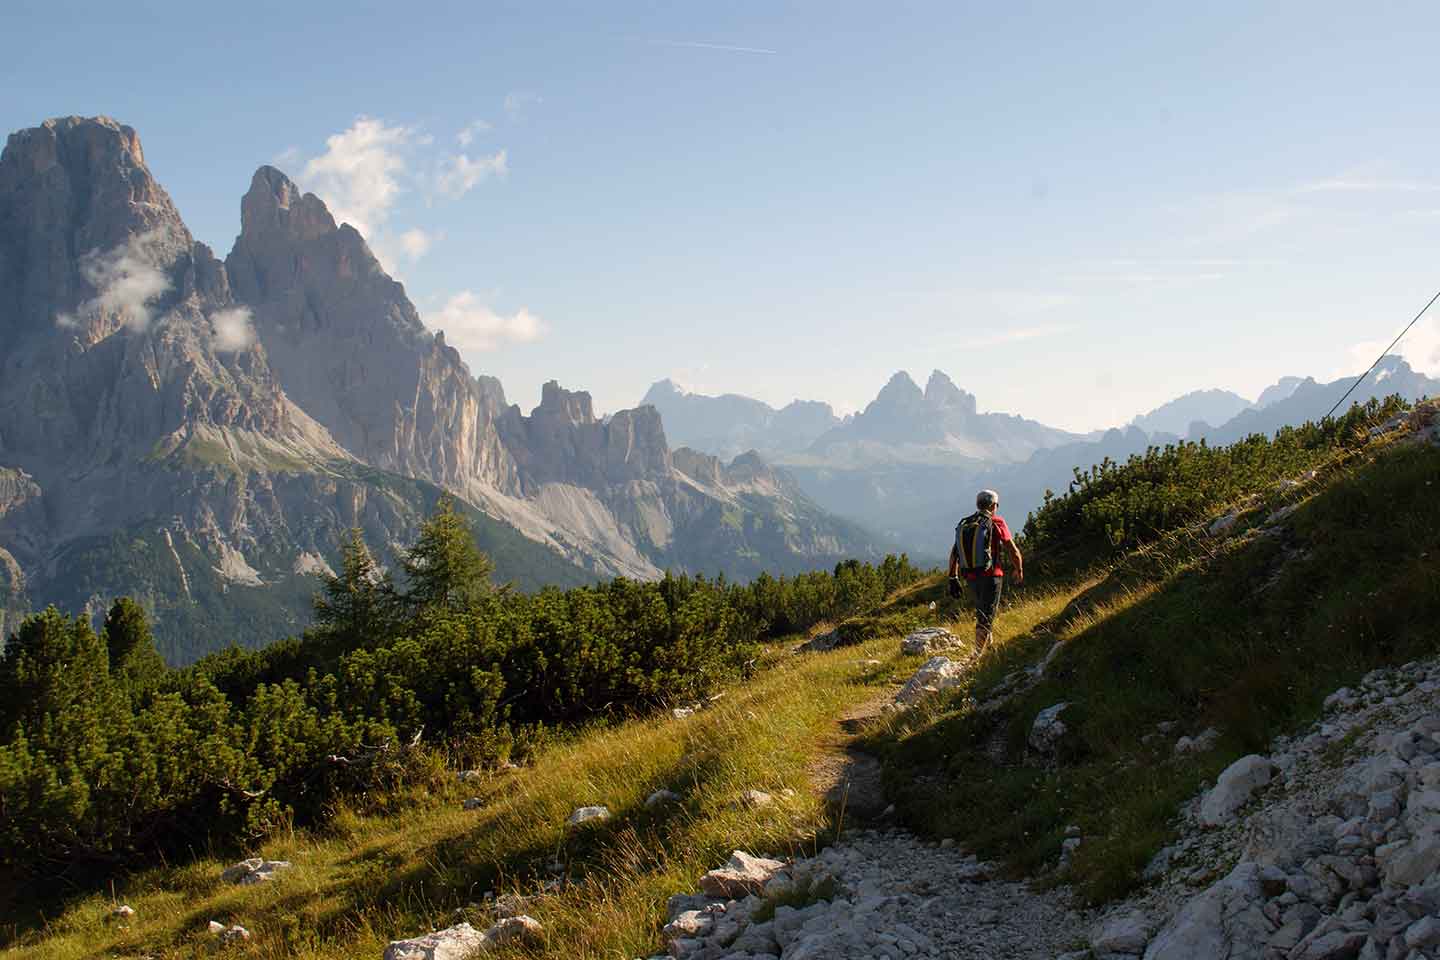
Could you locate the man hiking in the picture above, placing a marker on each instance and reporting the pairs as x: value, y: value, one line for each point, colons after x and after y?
x: 975, y: 555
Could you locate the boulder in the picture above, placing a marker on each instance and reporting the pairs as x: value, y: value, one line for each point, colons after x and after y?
x: 1126, y: 932
x: 928, y: 640
x: 742, y: 875
x: 1227, y: 920
x: 1048, y: 728
x: 754, y: 799
x: 1199, y: 743
x: 938, y: 673
x: 1413, y: 861
x: 123, y: 912
x: 1234, y: 788
x: 518, y: 930
x: 660, y: 798
x: 587, y: 815
x: 253, y: 870
x: 452, y: 943
x: 1223, y: 525
x: 474, y: 803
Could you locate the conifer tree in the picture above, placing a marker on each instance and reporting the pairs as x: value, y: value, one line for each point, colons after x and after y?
x: 446, y: 572
x: 134, y: 661
x: 356, y: 608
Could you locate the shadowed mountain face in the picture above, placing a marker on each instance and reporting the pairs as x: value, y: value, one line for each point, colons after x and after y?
x: 201, y: 434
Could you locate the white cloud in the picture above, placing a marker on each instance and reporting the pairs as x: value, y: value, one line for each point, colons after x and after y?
x: 1420, y: 348
x: 358, y: 176
x: 415, y: 243
x: 469, y: 324
x: 471, y: 130
x: 460, y: 174
x: 1366, y: 185
x: 126, y: 279
x: 233, y: 329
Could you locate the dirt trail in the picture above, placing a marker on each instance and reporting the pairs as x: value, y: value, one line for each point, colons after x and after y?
x: 845, y: 776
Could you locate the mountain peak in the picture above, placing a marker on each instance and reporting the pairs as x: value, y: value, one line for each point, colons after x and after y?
x: 275, y: 203
x: 661, y: 390
x: 941, y: 393
x: 572, y: 405
x: 900, y: 389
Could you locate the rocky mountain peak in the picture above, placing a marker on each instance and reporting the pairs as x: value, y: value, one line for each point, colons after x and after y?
x: 275, y: 203
x: 556, y: 402
x: 900, y: 391
x: 75, y: 195
x: 942, y: 394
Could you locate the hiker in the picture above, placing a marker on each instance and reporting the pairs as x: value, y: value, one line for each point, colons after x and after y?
x: 975, y: 555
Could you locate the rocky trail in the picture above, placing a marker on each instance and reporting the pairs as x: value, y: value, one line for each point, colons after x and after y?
x: 1327, y: 848
x: 880, y: 892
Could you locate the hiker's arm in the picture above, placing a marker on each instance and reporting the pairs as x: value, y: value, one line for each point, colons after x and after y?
x: 1018, y: 560
x: 954, y: 563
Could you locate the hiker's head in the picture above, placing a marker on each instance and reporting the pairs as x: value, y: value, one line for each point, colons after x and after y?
x: 987, y: 500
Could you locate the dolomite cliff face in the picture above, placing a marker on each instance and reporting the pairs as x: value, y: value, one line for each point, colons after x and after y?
x: 189, y: 430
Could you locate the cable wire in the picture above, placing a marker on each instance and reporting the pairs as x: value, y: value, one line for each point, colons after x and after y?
x: 1361, y: 379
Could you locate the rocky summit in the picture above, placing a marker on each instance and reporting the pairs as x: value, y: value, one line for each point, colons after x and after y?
x: 200, y: 434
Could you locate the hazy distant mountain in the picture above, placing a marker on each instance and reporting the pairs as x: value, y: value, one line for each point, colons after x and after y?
x: 1278, y: 391
x: 939, y: 425
x: 1200, y: 406
x: 201, y: 434
x: 729, y: 425
x: 1310, y: 400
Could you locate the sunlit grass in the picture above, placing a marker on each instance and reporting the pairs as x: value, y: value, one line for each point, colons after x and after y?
x: 365, y: 880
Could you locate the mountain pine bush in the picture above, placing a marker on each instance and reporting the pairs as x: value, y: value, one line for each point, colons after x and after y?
x: 107, y: 753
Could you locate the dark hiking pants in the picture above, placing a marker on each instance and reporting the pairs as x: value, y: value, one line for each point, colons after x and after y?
x: 986, y: 591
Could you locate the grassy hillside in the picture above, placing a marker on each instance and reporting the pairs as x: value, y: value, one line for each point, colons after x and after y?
x: 1244, y: 633
x: 367, y: 879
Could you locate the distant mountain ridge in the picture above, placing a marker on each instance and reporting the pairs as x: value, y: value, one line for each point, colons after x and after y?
x: 1180, y: 415
x: 731, y: 424
x: 201, y: 433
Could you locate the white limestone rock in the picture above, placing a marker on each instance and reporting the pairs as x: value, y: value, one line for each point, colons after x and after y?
x: 1125, y: 932
x: 1234, y: 788
x: 587, y: 815
x: 928, y: 640
x: 742, y: 875
x: 453, y: 943
x: 253, y: 870
x: 1048, y: 729
x: 938, y: 673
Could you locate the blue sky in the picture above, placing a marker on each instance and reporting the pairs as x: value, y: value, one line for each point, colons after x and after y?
x: 1077, y: 213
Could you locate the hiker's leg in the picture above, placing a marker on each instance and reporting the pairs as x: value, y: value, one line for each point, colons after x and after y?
x: 983, y: 590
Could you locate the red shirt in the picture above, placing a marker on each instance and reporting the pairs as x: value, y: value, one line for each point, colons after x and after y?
x: 1002, y: 534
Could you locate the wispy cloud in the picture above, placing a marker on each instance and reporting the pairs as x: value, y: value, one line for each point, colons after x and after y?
x: 1420, y: 349
x: 471, y: 130
x: 459, y: 174
x: 724, y: 47
x: 127, y: 279
x: 415, y: 243
x: 232, y: 329
x: 358, y: 176
x: 469, y: 324
x: 1366, y: 185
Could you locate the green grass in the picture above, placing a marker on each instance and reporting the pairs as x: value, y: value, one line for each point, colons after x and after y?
x: 367, y: 879
x: 1246, y: 634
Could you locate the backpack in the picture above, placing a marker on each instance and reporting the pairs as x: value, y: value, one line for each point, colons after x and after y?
x: 975, y: 543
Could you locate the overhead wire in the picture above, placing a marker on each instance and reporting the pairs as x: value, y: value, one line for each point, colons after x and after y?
x: 1361, y: 379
